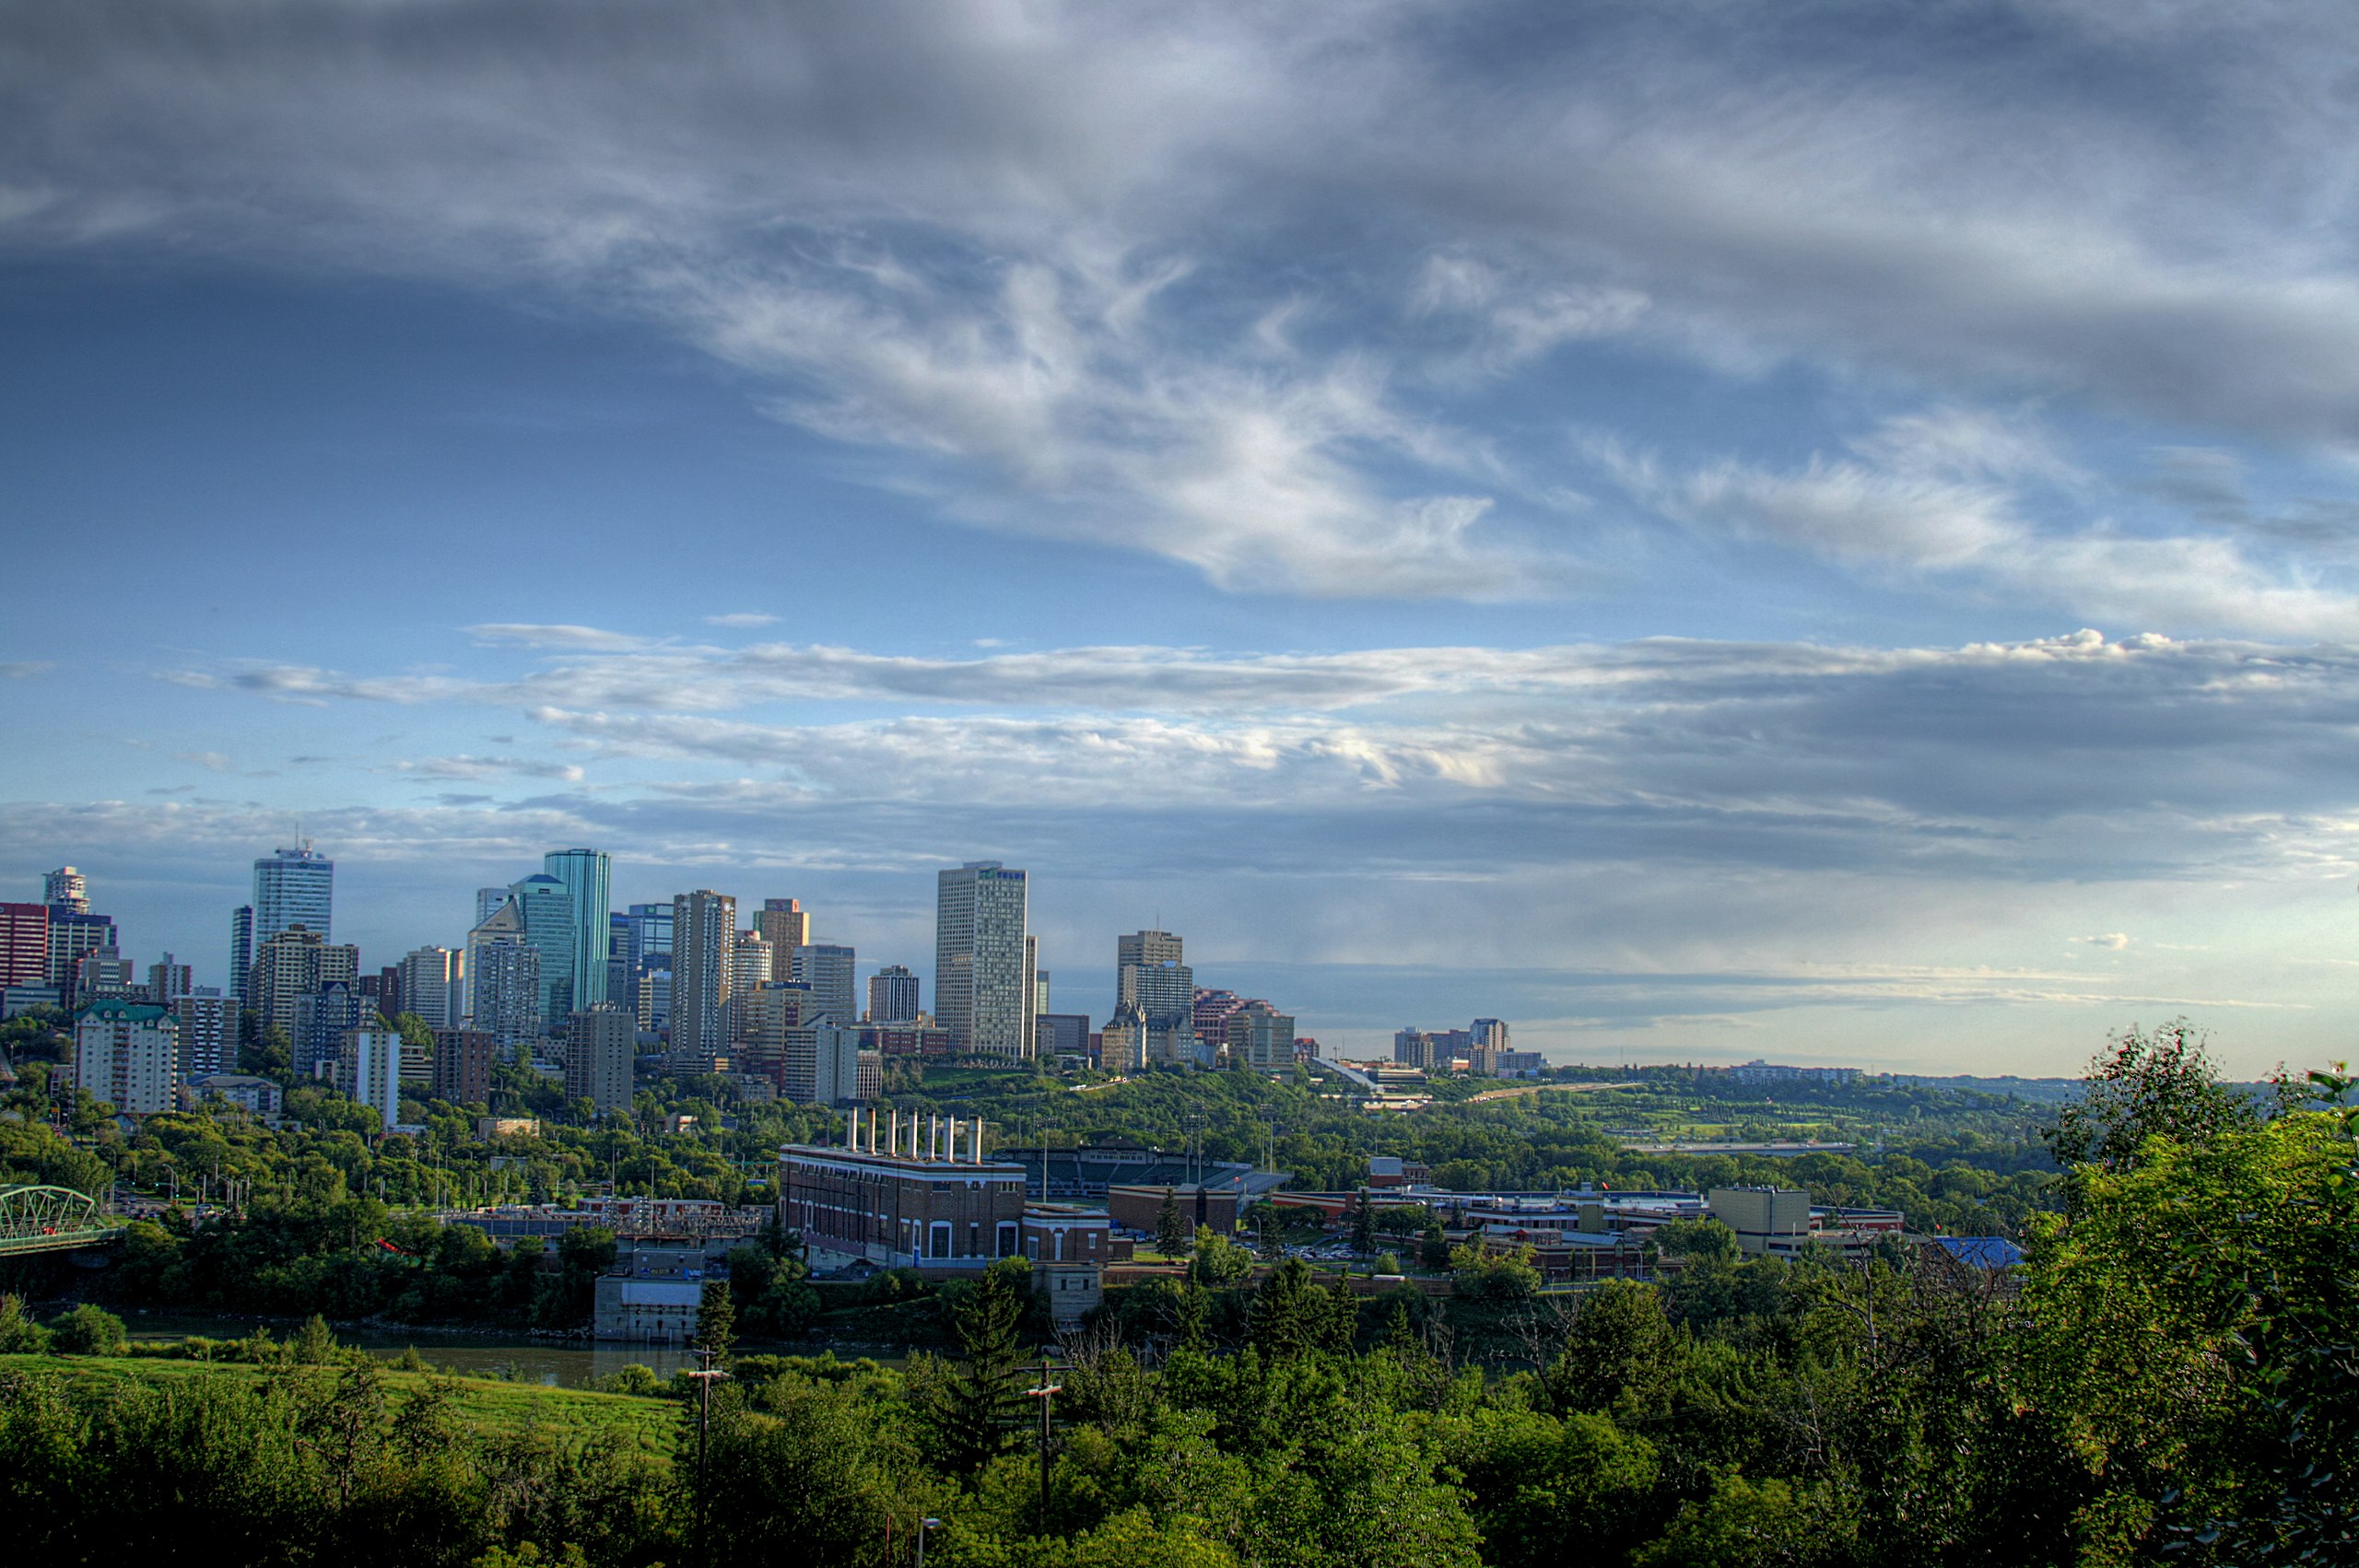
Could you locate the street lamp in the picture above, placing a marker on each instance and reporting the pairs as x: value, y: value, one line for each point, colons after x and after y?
x: 928, y: 1523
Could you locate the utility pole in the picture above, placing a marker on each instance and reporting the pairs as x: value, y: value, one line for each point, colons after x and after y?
x: 704, y: 1420
x: 1046, y: 1392
x: 928, y: 1523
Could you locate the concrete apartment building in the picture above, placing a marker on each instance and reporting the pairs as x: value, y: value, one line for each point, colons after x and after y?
x: 786, y: 925
x: 24, y: 945
x: 903, y: 1190
x: 759, y: 1022
x: 822, y: 1065
x: 368, y: 1068
x: 704, y: 939
x: 126, y: 1053
x: 829, y: 970
x: 208, y: 1033
x: 462, y: 1066
x: 892, y: 995
x: 434, y: 985
x: 601, y: 1051
x: 291, y: 964
x: 1260, y: 1038
x: 503, y: 977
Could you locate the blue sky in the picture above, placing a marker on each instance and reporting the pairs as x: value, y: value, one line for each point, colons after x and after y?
x: 1821, y: 532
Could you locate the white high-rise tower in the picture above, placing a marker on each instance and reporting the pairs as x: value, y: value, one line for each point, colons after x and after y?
x: 982, y: 981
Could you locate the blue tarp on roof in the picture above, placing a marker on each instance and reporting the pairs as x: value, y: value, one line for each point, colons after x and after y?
x: 1983, y: 1252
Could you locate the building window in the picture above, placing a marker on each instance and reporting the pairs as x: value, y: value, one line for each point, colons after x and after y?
x: 942, y: 1238
x: 1006, y: 1240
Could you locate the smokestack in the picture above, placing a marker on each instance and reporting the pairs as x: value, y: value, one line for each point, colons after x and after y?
x: 933, y: 1138
x: 979, y: 1140
x: 954, y: 1140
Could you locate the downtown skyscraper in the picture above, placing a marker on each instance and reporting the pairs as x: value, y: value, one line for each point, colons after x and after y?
x: 704, y: 943
x: 586, y: 874
x: 293, y: 887
x: 982, y: 979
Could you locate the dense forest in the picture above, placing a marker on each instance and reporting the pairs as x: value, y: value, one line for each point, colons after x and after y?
x: 2170, y: 1377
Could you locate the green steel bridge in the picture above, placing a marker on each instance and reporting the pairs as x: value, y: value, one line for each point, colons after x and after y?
x: 52, y: 1219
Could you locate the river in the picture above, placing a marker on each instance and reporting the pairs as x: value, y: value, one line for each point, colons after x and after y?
x: 555, y: 1364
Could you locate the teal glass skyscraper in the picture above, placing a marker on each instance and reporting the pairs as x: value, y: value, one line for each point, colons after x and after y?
x: 584, y: 873
x: 547, y: 908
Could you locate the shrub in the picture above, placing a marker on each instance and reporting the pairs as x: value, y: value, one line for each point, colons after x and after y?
x: 19, y: 1334
x: 89, y: 1331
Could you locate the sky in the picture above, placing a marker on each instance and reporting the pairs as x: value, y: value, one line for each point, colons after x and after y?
x: 1821, y: 532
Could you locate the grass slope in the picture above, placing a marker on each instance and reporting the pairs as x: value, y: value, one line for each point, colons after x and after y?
x: 644, y: 1426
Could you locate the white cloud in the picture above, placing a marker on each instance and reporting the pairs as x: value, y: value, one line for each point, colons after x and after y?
x: 741, y: 618
x: 588, y: 639
x: 2072, y: 756
x: 463, y: 766
x: 1944, y: 497
x: 1140, y: 278
x: 2113, y: 941
x: 212, y: 761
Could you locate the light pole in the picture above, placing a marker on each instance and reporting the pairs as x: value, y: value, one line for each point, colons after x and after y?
x: 928, y: 1523
x: 704, y: 1418
x: 1046, y: 1392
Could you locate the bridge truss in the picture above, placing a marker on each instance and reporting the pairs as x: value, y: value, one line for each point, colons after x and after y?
x: 52, y: 1219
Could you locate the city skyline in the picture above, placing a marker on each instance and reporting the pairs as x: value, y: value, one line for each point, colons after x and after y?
x: 1784, y: 538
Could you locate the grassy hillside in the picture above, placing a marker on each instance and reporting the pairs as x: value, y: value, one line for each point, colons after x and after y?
x: 644, y: 1426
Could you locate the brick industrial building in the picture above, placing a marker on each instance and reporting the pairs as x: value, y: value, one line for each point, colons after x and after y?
x: 903, y: 1191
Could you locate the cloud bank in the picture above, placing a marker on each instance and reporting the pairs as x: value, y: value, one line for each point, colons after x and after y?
x: 1242, y: 288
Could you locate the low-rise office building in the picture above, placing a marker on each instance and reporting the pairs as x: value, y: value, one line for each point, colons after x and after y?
x: 260, y: 1097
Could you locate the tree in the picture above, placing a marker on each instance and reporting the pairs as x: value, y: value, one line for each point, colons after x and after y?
x: 1698, y: 1241
x: 2151, y: 1085
x: 2195, y: 1327
x: 817, y: 1478
x: 1764, y: 1524
x: 1363, y: 1225
x: 269, y: 1054
x: 1216, y: 1261
x: 1171, y: 1233
x: 1495, y: 1276
x: 716, y: 1319
x: 974, y: 1412
x: 1433, y: 1248
x: 1537, y: 1483
x: 1291, y: 1314
x: 1621, y: 1355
